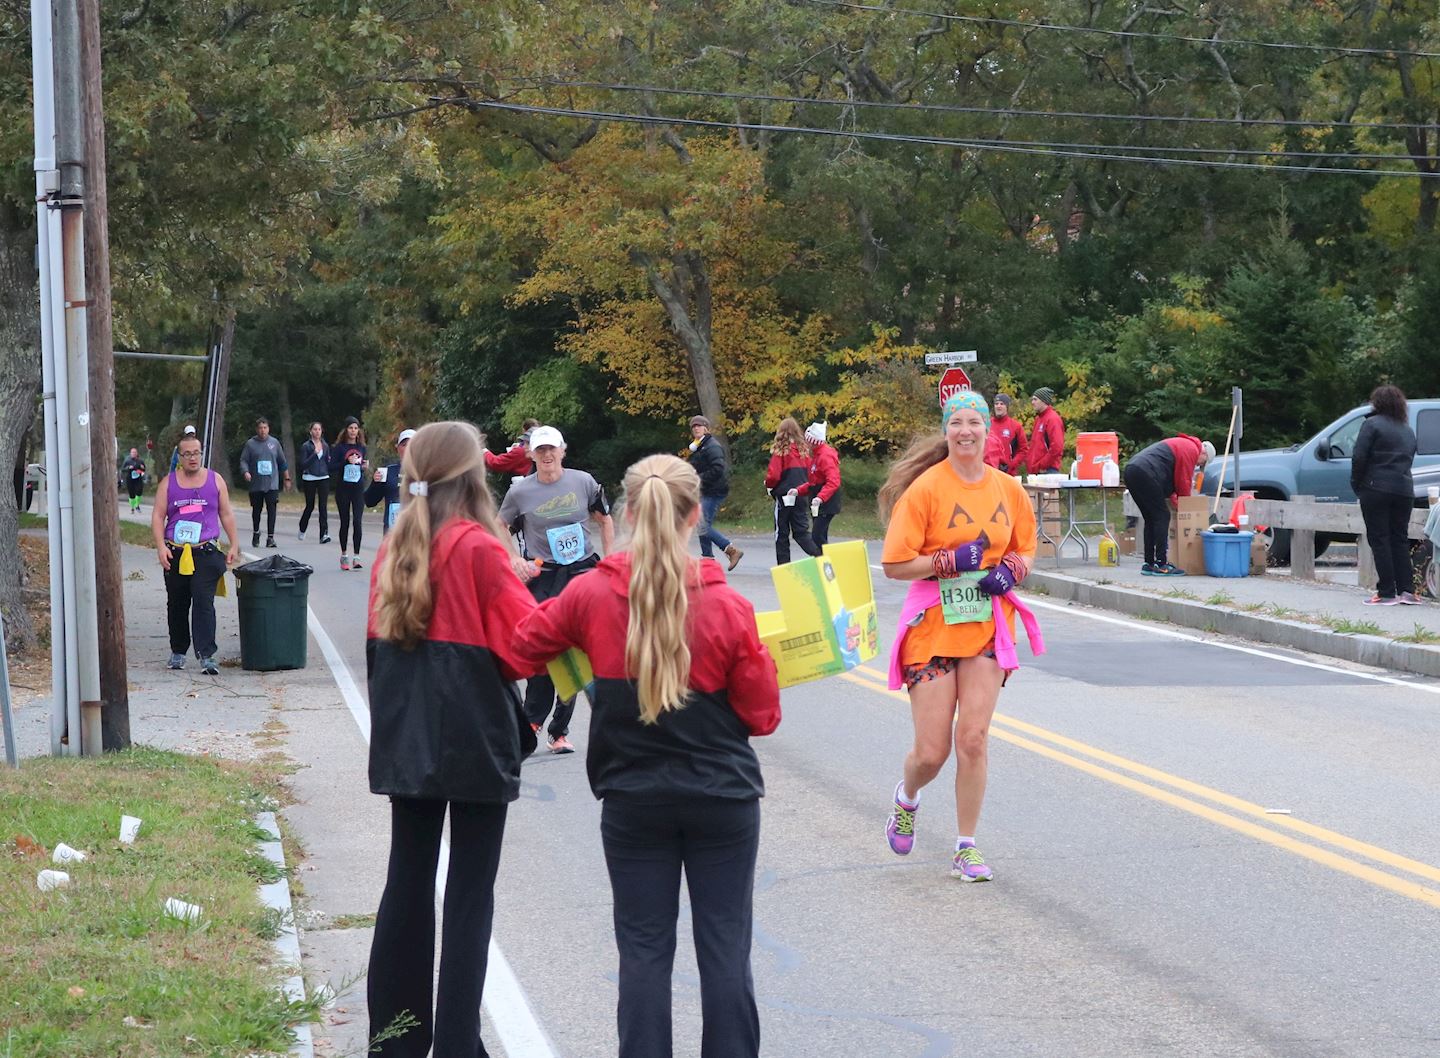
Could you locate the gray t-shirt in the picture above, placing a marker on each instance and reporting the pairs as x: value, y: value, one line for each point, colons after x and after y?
x: 556, y: 520
x: 264, y: 461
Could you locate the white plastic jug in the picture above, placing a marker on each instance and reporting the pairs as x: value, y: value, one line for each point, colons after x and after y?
x: 1109, y: 474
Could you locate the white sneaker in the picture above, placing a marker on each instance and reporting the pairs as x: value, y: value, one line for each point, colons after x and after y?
x: 302, y: 537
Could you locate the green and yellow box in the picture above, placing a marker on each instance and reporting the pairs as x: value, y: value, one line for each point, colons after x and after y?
x: 827, y: 622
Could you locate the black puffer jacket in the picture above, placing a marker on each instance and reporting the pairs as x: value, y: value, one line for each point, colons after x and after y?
x: 709, y: 462
x: 1383, y: 455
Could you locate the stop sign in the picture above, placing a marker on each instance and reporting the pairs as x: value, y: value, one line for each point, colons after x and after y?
x: 953, y: 381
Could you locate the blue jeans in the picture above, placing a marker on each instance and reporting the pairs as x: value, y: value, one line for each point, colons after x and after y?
x: 709, y: 538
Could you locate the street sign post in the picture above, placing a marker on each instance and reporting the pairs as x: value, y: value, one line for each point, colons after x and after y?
x: 955, y: 356
x: 953, y: 381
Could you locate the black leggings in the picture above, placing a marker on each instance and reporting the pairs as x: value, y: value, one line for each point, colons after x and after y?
x: 402, y: 952
x: 266, y: 500
x: 716, y: 842
x: 1387, y: 528
x: 350, y: 499
x: 313, y: 490
x: 1152, y: 499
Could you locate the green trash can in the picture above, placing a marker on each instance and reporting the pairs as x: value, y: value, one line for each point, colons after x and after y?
x: 273, y: 595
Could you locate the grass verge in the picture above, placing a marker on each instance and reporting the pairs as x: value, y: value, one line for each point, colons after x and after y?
x: 97, y: 968
x: 132, y: 531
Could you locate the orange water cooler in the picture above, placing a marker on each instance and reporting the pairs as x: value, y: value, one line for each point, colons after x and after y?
x: 1091, y: 451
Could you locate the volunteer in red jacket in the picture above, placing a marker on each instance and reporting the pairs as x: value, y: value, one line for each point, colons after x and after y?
x: 682, y: 682
x: 822, y: 488
x: 1007, y: 446
x: 515, y: 460
x: 1156, y: 477
x: 789, y: 469
x: 1047, y: 438
x: 447, y: 735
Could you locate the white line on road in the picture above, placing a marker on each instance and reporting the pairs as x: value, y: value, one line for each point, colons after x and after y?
x: 1077, y: 610
x: 505, y: 1000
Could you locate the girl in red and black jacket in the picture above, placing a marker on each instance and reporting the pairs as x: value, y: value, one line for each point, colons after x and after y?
x: 822, y: 488
x: 447, y: 733
x: 681, y: 684
x: 789, y: 469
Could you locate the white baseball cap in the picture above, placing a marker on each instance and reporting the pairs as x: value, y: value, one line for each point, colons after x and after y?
x: 188, y: 431
x: 545, y: 435
x: 405, y: 435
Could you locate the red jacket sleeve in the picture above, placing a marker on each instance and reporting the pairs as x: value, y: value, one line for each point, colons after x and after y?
x: 1022, y: 448
x: 1049, y: 439
x: 547, y: 631
x: 514, y: 460
x: 774, y: 470
x: 504, y: 605
x: 751, y: 684
x: 1187, y: 454
x: 995, y: 453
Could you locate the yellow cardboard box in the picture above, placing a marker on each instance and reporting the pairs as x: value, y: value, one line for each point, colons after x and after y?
x: 827, y: 621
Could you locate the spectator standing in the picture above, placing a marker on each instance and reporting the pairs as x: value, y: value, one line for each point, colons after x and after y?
x: 192, y: 505
x: 707, y: 458
x: 347, y: 459
x: 822, y: 488
x: 386, y: 486
x: 1156, y: 477
x: 189, y: 431
x: 1380, y: 474
x: 1047, y: 439
x: 558, y: 513
x: 682, y: 683
x: 515, y: 460
x: 262, y: 462
x: 1007, y: 447
x: 132, y: 471
x: 448, y: 740
x: 315, y: 480
x: 789, y: 469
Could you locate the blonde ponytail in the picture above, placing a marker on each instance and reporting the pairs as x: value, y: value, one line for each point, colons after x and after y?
x: 661, y: 493
x: 444, y: 478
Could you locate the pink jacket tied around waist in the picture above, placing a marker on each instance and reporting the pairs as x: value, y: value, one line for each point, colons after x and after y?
x: 924, y: 594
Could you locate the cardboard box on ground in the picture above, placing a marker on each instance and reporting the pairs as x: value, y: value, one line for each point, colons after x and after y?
x: 1187, y: 522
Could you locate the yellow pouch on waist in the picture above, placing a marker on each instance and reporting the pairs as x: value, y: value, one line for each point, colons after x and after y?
x: 187, y: 562
x: 221, y: 592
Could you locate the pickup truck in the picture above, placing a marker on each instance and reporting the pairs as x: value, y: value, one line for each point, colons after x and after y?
x: 1320, y: 467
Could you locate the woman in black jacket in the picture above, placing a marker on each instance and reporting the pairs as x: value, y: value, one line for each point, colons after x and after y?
x: 1380, y: 476
x: 447, y: 735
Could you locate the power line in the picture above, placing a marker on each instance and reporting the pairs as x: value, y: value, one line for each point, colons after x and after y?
x: 1097, y: 31
x: 946, y: 108
x: 471, y: 103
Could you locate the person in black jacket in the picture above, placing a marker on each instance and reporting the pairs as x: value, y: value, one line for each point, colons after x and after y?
x: 1380, y: 475
x: 386, y: 486
x: 447, y: 736
x: 682, y: 683
x: 315, y: 480
x: 707, y: 457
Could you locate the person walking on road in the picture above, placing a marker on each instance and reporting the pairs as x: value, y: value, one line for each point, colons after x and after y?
x: 263, y: 465
x: 192, y: 505
x: 963, y: 534
x: 822, y: 486
x: 1046, y: 452
x: 1156, y: 477
x: 386, y: 486
x: 682, y: 683
x: 132, y: 471
x: 558, y: 513
x: 707, y: 457
x: 347, y: 458
x: 789, y: 469
x: 1007, y: 447
x: 315, y: 480
x: 448, y: 737
x: 1380, y: 474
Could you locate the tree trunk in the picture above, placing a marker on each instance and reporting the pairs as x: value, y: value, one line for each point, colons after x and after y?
x: 215, y: 429
x: 19, y: 384
x: 287, y: 429
x: 685, y: 293
x: 109, y: 588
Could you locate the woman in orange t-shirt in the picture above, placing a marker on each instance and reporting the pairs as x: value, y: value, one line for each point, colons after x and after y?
x: 962, y: 533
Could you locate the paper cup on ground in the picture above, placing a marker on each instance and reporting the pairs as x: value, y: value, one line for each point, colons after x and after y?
x: 129, y: 828
x: 48, y: 880
x: 788, y: 499
x: 65, y: 854
x: 183, y: 911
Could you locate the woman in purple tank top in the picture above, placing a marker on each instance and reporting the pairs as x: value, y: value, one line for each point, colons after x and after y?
x: 191, y: 507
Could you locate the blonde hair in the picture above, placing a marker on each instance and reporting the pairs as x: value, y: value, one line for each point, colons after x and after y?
x: 661, y: 493
x: 788, y: 435
x: 448, y: 457
x: 924, y: 452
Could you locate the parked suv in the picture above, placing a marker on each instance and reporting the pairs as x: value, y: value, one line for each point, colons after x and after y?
x: 1320, y: 467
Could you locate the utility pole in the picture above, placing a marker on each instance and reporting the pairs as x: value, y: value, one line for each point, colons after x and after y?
x: 109, y: 592
x: 220, y: 389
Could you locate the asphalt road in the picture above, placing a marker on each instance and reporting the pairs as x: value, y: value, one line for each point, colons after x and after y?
x: 1199, y: 850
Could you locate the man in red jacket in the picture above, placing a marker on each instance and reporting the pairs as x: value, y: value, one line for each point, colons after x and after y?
x: 1047, y: 439
x: 1007, y: 446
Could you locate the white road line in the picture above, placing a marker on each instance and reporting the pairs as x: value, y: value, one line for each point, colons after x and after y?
x: 1078, y: 610
x: 505, y: 1000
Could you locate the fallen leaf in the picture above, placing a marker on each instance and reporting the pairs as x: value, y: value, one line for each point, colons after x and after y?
x: 75, y: 991
x: 29, y: 847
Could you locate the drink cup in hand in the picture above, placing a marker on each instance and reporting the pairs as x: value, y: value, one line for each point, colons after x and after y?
x: 789, y: 499
x: 382, y: 474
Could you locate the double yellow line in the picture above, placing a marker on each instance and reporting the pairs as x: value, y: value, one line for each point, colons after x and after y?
x: 1223, y: 809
